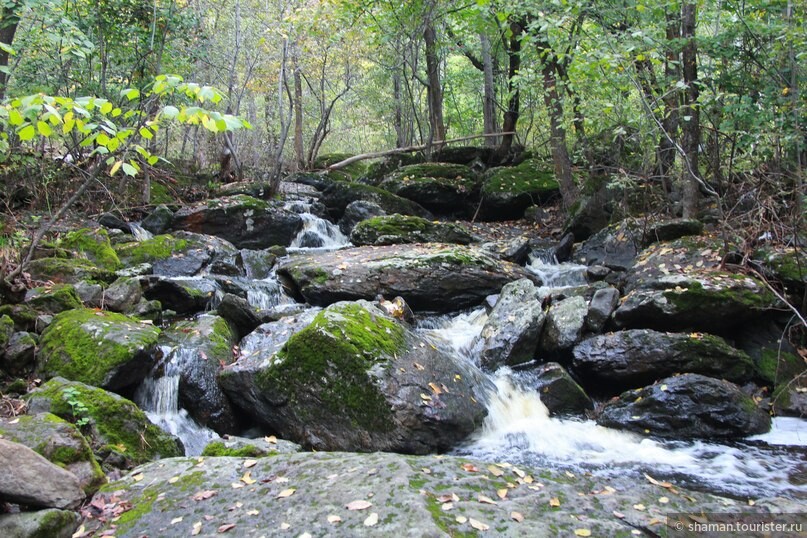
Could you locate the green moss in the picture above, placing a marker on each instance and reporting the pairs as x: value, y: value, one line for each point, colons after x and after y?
x: 696, y: 297
x: 56, y: 298
x: 239, y: 202
x: 331, y: 358
x: 220, y: 340
x: 94, y: 244
x: 142, y: 506
x: 528, y: 177
x: 85, y: 345
x: 68, y: 270
x: 420, y: 171
x: 778, y: 368
x: 395, y: 224
x: 6, y: 330
x: 160, y: 194
x: 159, y: 247
x: 52, y: 523
x: 117, y: 424
x: 218, y: 448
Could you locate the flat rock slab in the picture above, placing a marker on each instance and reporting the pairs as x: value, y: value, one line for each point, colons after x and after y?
x: 383, y: 494
x: 434, y: 277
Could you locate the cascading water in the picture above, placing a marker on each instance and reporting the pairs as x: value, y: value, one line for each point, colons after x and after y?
x: 158, y: 397
x: 317, y: 233
x: 519, y: 430
x: 139, y: 233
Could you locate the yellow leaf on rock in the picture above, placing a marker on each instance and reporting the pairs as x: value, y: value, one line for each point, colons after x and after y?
x: 461, y: 519
x: 197, y: 528
x: 371, y: 520
x: 478, y: 525
x: 486, y: 500
x: 250, y: 463
x: 173, y: 480
x: 247, y: 479
x: 137, y: 477
x: 582, y: 532
x: 333, y: 519
x: 286, y: 493
x: 495, y: 471
x: 272, y: 440
x: 517, y: 516
x: 358, y: 505
x: 176, y: 520
x: 554, y: 502
x: 639, y: 507
x: 502, y: 493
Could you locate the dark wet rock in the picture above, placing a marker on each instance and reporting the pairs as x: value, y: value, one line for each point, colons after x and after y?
x: 403, y: 495
x: 596, y: 273
x: 257, y: 264
x: 239, y: 313
x: 338, y: 196
x: 669, y: 230
x: 67, y: 271
x: 244, y: 221
x: 616, y: 361
x: 602, y: 305
x: 401, y: 229
x: 60, y: 442
x: 183, y: 296
x: 615, y: 247
x: 443, y: 189
x: 50, y: 523
x: 507, y: 191
x: 786, y: 265
x: 159, y: 220
x: 357, y: 211
x: 114, y: 221
x: 119, y: 432
x: 122, y: 295
x: 687, y: 406
x: 462, y: 154
x: 257, y: 189
x: 680, y: 285
x: 90, y: 293
x: 53, y: 299
x: 242, y: 447
x: 514, y: 250
x: 348, y: 381
x: 563, y: 252
x: 559, y: 392
x: 564, y: 325
x: 428, y: 276
x: 201, y: 348
x: 100, y: 348
x: 511, y: 333
x: 20, y: 353
x: 24, y: 474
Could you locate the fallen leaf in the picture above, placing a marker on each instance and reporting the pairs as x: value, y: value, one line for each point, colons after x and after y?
x: 517, y: 516
x: 461, y: 519
x: 618, y: 515
x: 176, y: 520
x: 582, y: 532
x: 554, y: 501
x: 478, y: 525
x: 173, y: 480
x: 79, y: 532
x: 470, y: 467
x: 495, y: 471
x: 284, y: 526
x: 237, y: 485
x: 371, y: 520
x: 247, y: 478
x: 282, y: 479
x: 502, y: 493
x: 663, y: 500
x: 435, y: 388
x: 425, y: 397
x: 447, y: 506
x: 420, y: 366
x: 204, y: 495
x: 226, y: 527
x: 137, y: 477
x: 286, y: 493
x: 448, y: 497
x: 486, y: 500
x: 358, y: 505
x: 253, y: 513
x: 639, y: 507
x: 333, y: 519
x: 272, y: 440
x: 250, y: 463
x: 197, y: 528
x: 522, y: 474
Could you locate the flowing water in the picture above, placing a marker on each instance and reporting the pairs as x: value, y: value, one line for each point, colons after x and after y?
x: 158, y: 397
x: 317, y: 233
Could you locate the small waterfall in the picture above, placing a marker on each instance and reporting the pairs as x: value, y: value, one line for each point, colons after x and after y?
x: 139, y: 233
x: 558, y: 275
x: 159, y: 399
x: 317, y: 233
x: 267, y: 293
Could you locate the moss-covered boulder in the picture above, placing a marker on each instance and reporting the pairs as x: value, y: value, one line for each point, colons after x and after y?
x: 182, y: 295
x: 23, y: 316
x: 337, y: 196
x: 120, y: 434
x: 68, y: 270
x: 99, y: 348
x: 687, y: 406
x: 180, y: 254
x: 6, y: 330
x: 442, y: 188
x: 681, y: 285
x: 399, y: 229
x: 356, y: 379
x: 351, y: 172
x: 53, y: 299
x: 60, y: 442
x: 154, y: 249
x: 429, y: 276
x: 786, y: 265
x: 199, y: 349
x: 94, y: 246
x: 617, y: 361
x: 242, y: 447
x: 50, y: 523
x: 507, y: 191
x: 244, y: 221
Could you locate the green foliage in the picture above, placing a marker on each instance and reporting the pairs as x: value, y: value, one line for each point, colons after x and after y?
x: 79, y: 411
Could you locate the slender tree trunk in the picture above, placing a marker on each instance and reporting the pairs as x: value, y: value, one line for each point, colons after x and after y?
x: 299, y: 150
x: 9, y: 20
x: 434, y: 88
x: 513, y: 103
x: 400, y: 140
x: 489, y: 105
x: 557, y: 133
x: 691, y: 126
x: 666, y: 150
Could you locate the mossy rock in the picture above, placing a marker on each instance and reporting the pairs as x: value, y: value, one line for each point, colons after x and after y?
x: 99, y: 348
x: 445, y: 189
x: 240, y: 447
x: 60, y: 442
x: 93, y: 245
x: 53, y: 299
x: 398, y: 229
x: 159, y: 194
x: 159, y: 247
x: 23, y: 316
x: 48, y: 523
x: 508, y: 191
x: 431, y: 170
x: 337, y: 196
x: 786, y: 265
x: 116, y: 425
x: 6, y: 330
x: 354, y: 170
x: 65, y: 270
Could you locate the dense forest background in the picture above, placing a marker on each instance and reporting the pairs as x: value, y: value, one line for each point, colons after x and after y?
x: 695, y: 99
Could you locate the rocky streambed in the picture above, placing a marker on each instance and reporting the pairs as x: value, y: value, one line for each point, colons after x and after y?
x: 505, y: 394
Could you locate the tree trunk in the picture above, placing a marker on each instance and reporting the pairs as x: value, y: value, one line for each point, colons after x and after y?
x: 691, y: 124
x: 9, y: 20
x: 299, y: 150
x: 400, y: 140
x: 557, y: 133
x: 666, y: 150
x: 513, y: 103
x: 489, y: 104
x: 434, y: 89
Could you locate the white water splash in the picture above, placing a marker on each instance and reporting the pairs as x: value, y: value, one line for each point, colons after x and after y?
x: 317, y: 233
x: 558, y: 275
x: 139, y: 233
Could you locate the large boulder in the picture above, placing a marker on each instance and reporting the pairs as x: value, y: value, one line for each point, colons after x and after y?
x: 615, y: 247
x: 54, y: 298
x: 511, y: 333
x: 337, y: 196
x: 182, y: 254
x: 200, y: 348
x: 559, y: 392
x: 29, y: 479
x: 616, y: 361
x: 19, y: 357
x: 60, y: 442
x: 67, y: 270
x: 433, y: 277
x: 120, y: 433
x: 92, y: 245
x: 50, y: 523
x: 681, y: 285
x: 99, y: 348
x: 508, y: 191
x: 357, y: 211
x: 356, y: 379
x: 399, y: 229
x: 442, y: 188
x: 564, y: 325
x: 182, y: 295
x: 687, y: 406
x: 244, y: 221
